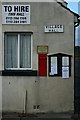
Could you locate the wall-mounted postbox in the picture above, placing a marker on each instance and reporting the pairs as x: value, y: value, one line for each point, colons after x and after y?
x: 42, y: 51
x: 42, y: 64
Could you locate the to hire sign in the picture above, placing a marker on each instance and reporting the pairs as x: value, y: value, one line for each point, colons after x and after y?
x: 15, y: 14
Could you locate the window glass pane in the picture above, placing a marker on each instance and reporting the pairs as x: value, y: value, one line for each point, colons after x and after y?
x: 25, y: 51
x: 11, y: 51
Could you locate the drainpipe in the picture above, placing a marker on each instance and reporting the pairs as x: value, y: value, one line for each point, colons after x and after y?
x: 75, y: 25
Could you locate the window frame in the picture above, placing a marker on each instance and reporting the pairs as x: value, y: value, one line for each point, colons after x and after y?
x: 18, y: 62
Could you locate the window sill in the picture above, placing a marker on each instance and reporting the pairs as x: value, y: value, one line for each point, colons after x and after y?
x: 18, y: 73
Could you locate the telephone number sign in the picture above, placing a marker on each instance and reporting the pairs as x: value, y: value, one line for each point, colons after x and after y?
x: 15, y: 14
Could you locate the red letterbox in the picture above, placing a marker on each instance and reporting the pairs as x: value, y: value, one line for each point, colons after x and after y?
x: 42, y: 64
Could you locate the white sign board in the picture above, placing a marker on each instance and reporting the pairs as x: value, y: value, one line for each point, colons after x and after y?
x: 15, y: 14
x: 65, y: 61
x: 65, y: 72
x: 54, y: 28
x: 53, y: 65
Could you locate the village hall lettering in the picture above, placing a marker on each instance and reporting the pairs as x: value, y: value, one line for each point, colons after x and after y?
x: 16, y: 14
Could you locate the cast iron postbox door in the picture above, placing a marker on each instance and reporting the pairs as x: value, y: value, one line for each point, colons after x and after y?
x: 42, y: 64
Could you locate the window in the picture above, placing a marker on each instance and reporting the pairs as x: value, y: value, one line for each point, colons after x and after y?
x: 18, y: 51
